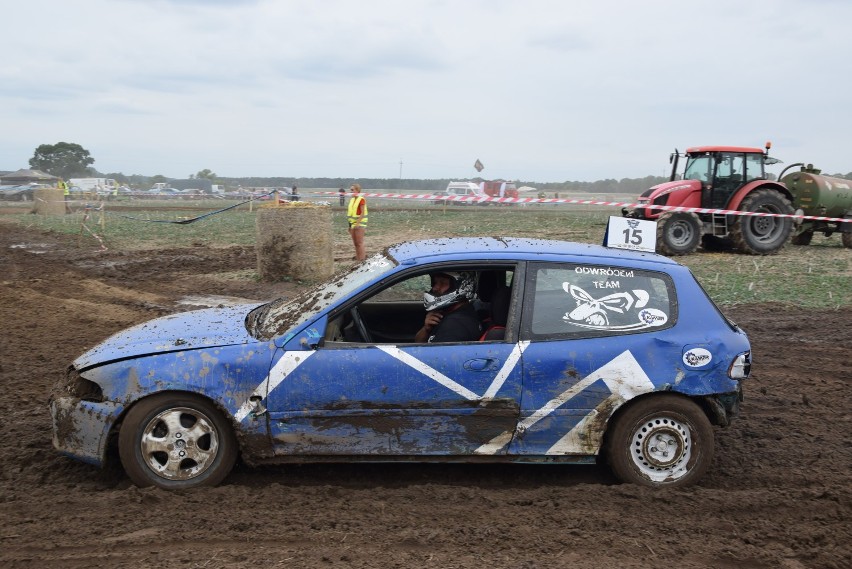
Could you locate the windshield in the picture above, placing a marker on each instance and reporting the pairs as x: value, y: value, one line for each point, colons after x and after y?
x: 277, y: 317
x: 698, y: 167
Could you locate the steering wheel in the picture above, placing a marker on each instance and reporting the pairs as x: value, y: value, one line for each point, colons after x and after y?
x: 359, y: 324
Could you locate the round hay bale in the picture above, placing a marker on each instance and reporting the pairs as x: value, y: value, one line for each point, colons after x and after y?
x: 294, y: 241
x: 48, y: 201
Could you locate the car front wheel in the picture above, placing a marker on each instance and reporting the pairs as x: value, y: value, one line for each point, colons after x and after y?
x: 663, y: 440
x: 176, y: 441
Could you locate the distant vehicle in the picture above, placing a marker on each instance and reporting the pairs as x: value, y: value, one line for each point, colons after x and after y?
x: 719, y: 178
x: 590, y: 354
x: 164, y: 193
x: 500, y: 189
x: 461, y: 189
x: 18, y: 193
x: 102, y: 186
x: 819, y: 196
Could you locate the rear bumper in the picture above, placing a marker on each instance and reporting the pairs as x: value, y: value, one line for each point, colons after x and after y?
x: 724, y: 406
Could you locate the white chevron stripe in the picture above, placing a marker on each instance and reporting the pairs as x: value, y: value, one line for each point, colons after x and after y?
x: 429, y: 372
x: 282, y: 368
x: 624, y: 377
x: 504, y: 372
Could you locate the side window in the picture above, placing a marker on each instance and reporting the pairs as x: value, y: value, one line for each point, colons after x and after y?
x: 410, y: 289
x: 394, y: 314
x: 754, y: 166
x: 581, y: 301
x: 730, y: 166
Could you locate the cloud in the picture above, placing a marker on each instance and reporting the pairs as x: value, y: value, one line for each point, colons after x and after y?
x: 538, y: 90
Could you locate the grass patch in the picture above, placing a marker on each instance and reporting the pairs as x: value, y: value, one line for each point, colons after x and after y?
x: 815, y: 276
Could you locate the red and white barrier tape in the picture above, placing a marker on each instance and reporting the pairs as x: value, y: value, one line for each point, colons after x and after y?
x: 489, y: 199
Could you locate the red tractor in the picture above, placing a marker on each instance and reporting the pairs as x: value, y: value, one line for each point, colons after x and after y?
x: 722, y: 178
x: 500, y: 189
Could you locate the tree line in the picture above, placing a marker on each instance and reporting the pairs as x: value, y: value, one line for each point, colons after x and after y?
x: 70, y: 160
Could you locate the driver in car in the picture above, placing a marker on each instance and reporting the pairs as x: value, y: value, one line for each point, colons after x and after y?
x: 450, y: 317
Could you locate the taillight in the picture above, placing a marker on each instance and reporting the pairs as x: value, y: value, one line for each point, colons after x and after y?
x: 741, y: 366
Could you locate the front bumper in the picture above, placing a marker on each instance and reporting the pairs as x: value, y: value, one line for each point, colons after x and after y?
x: 81, y: 428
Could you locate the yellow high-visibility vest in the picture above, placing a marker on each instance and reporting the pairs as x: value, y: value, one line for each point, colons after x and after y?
x: 352, y: 212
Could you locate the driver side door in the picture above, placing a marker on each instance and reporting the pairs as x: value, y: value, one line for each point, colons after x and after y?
x: 394, y: 398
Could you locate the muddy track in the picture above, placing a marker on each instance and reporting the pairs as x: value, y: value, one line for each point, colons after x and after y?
x: 779, y: 493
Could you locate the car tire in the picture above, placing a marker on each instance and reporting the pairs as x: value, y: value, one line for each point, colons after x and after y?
x: 678, y: 233
x: 661, y: 440
x: 176, y: 441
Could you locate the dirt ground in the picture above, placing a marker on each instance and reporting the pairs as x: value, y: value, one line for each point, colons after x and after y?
x: 778, y: 493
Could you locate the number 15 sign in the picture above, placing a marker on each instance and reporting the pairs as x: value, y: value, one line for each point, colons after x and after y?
x: 627, y: 233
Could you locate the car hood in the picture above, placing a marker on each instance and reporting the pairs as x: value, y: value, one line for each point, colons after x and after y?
x: 207, y: 328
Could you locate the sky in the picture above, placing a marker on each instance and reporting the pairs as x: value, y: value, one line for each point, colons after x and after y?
x: 537, y: 90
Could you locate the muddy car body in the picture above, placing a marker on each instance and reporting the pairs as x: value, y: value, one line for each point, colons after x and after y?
x: 592, y: 353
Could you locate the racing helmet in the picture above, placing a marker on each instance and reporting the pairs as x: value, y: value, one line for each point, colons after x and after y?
x: 462, y: 287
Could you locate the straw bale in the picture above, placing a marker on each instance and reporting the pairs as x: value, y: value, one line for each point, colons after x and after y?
x: 49, y: 201
x: 294, y: 243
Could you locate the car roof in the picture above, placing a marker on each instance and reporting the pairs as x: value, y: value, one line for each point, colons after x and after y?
x: 515, y: 248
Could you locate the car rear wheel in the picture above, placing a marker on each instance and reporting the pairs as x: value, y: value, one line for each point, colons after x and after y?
x: 176, y: 441
x: 663, y: 440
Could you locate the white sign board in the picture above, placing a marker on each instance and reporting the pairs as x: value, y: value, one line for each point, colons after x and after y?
x: 628, y: 233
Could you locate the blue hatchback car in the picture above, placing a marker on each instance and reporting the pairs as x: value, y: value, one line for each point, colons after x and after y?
x: 587, y: 354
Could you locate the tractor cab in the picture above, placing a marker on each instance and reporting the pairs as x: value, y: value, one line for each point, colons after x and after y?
x: 722, y: 170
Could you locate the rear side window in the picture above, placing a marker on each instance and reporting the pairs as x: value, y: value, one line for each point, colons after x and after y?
x: 582, y: 301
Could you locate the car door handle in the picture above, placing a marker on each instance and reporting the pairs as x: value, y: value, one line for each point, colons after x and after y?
x: 481, y: 364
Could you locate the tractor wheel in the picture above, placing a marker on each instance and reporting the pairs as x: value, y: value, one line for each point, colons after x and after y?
x: 803, y: 238
x: 678, y: 233
x: 847, y: 240
x: 661, y: 440
x: 763, y: 235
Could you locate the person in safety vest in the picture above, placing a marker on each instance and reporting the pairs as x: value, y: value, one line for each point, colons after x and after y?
x: 356, y: 213
x: 66, y: 192
x: 450, y: 317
